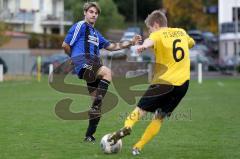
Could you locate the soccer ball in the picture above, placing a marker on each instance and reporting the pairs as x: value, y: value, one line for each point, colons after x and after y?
x: 107, y: 148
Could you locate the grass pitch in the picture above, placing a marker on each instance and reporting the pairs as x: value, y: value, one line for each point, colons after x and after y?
x: 206, y: 124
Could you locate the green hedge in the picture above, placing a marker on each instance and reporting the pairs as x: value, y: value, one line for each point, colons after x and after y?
x: 45, y: 41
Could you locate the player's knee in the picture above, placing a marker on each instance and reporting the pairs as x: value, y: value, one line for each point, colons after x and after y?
x: 107, y: 74
x: 159, y: 115
x: 140, y: 111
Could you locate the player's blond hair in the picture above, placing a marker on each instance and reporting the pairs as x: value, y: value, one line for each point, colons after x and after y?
x: 88, y: 5
x: 156, y: 16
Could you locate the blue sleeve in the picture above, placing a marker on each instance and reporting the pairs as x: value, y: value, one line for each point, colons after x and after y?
x: 69, y: 35
x: 103, y: 43
x: 73, y: 33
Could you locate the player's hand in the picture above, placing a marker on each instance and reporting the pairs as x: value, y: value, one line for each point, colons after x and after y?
x: 140, y: 48
x: 137, y: 39
x: 70, y: 62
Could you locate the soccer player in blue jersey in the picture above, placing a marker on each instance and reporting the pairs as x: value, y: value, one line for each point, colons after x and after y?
x: 82, y: 43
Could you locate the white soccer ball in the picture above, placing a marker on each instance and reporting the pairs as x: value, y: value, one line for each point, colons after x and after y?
x: 107, y: 148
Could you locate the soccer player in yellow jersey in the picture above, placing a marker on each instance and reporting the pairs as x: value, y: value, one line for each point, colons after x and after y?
x: 170, y: 80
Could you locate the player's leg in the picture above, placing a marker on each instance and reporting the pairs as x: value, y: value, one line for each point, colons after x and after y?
x: 151, y: 131
x: 98, y: 78
x: 135, y: 115
x: 98, y: 90
x: 146, y: 104
x: 169, y: 102
x: 93, y: 121
x: 105, y: 76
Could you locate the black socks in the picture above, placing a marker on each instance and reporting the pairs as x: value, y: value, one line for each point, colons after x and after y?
x: 95, y: 111
x: 92, y: 127
x: 101, y: 92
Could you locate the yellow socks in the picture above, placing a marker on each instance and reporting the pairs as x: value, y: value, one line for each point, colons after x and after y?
x: 152, y: 130
x: 132, y: 118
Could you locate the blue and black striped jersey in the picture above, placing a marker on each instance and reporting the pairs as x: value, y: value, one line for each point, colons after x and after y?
x: 84, y: 39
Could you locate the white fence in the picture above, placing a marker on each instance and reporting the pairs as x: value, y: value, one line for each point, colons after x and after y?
x: 19, y: 62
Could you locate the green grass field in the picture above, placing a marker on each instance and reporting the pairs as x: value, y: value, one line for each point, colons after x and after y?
x: 205, y: 125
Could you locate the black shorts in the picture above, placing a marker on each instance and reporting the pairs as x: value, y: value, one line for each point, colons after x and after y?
x: 162, y: 98
x: 89, y: 74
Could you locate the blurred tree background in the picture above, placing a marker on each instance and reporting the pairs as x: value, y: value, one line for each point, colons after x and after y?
x: 144, y: 7
x: 191, y: 14
x: 118, y: 14
x: 187, y: 14
x: 109, y: 18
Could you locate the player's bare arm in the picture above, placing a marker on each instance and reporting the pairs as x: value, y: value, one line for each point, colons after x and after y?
x: 125, y: 44
x: 146, y: 44
x: 66, y: 48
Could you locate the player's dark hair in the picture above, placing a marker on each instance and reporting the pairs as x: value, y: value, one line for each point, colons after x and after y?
x: 156, y: 16
x: 88, y: 5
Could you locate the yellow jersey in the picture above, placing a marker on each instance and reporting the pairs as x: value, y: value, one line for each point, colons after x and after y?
x: 171, y: 49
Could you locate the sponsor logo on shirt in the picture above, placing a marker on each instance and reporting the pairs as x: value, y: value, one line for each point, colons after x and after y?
x: 94, y: 40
